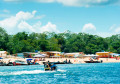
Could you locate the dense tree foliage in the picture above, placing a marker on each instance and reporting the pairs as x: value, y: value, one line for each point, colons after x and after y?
x: 64, y: 42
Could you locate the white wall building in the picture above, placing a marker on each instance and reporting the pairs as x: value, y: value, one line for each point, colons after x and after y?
x: 3, y: 53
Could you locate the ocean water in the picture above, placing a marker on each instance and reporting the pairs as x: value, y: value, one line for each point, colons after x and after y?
x: 97, y: 73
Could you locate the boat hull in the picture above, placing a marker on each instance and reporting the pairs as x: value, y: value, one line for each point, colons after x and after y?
x: 93, y: 61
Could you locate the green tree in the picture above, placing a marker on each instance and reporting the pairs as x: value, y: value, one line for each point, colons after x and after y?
x: 3, y: 39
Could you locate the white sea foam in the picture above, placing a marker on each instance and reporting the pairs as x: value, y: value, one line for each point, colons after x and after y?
x: 28, y: 72
x: 25, y: 72
x: 61, y: 70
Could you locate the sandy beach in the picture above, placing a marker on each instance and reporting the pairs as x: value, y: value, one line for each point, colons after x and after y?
x: 72, y: 60
x: 81, y: 60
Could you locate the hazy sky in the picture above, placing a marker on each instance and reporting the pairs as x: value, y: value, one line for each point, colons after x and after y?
x: 100, y: 17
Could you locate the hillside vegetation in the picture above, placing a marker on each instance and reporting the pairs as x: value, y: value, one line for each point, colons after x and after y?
x: 64, y: 42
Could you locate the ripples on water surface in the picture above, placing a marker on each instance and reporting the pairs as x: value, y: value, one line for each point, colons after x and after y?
x: 103, y: 73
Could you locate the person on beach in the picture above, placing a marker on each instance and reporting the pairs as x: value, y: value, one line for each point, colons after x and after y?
x: 69, y: 61
x: 43, y: 59
x: 1, y: 63
x: 91, y: 59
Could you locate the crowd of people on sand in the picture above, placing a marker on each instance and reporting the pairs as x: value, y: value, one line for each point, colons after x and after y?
x: 41, y: 59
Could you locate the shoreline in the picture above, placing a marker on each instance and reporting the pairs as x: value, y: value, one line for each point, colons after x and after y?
x: 81, y: 60
x: 72, y: 60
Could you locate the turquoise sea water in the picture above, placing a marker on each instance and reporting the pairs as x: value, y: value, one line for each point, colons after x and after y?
x: 101, y: 73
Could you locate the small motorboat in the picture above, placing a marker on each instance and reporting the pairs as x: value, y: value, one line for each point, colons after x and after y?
x: 50, y: 66
x: 19, y: 62
x: 93, y: 61
x: 64, y: 62
x: 10, y: 64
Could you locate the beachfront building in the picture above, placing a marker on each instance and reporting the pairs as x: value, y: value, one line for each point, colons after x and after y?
x: 52, y: 53
x: 104, y: 54
x: 90, y: 55
x: 29, y: 54
x: 3, y: 53
x: 115, y: 55
x: 74, y: 54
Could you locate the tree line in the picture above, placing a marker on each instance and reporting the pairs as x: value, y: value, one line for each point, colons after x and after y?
x: 63, y: 42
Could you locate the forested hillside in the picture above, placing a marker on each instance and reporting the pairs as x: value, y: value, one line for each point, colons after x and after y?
x: 64, y: 42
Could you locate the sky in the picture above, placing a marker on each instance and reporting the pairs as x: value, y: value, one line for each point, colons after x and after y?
x: 97, y: 17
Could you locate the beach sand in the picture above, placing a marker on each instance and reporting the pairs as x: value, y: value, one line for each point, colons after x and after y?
x: 80, y: 60
x: 72, y: 60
